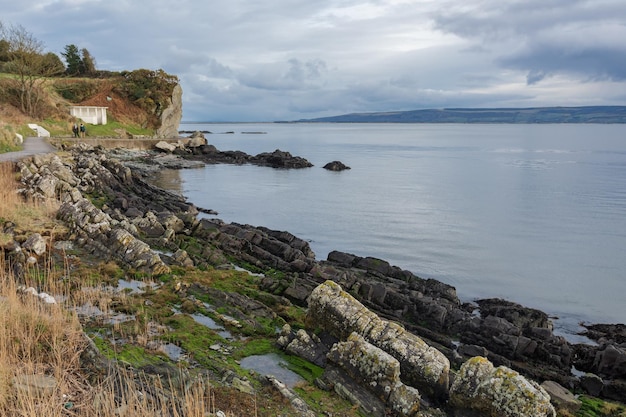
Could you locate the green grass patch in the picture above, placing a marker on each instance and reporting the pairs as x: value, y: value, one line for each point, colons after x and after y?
x: 112, y: 129
x: 134, y: 355
x: 595, y: 407
x: 253, y: 347
x: 307, y: 370
x: 193, y: 338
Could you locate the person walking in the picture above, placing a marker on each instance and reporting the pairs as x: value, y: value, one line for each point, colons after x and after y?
x: 75, y: 130
x: 82, y: 130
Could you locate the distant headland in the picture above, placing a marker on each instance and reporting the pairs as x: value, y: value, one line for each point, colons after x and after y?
x: 585, y: 114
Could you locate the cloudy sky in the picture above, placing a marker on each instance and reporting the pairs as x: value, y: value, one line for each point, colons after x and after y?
x: 265, y: 60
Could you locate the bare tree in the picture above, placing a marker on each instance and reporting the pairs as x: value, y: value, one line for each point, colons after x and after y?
x: 27, y: 60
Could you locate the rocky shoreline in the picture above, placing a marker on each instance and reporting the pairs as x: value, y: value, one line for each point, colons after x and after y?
x: 444, y: 358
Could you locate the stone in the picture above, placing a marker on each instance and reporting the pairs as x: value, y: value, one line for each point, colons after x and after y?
x: 501, y: 392
x: 196, y: 141
x: 164, y: 146
x: 611, y: 361
x: 304, y: 345
x: 592, y: 384
x: 376, y: 370
x: 561, y: 398
x: 36, y: 244
x: 340, y: 314
x: 336, y: 166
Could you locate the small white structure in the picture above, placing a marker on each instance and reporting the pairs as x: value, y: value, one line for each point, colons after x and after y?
x: 40, y: 131
x: 90, y: 114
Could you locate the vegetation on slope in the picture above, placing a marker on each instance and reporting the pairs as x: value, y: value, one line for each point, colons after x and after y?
x: 36, y: 87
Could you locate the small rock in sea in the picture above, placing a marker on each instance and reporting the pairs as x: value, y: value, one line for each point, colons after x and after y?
x: 336, y: 166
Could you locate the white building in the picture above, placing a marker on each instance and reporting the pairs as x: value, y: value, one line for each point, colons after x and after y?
x: 90, y: 114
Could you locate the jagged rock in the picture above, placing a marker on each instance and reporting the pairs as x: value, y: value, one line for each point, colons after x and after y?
x: 336, y: 166
x: 295, y: 401
x: 280, y: 159
x: 611, y: 361
x: 36, y: 244
x: 182, y: 258
x: 165, y: 146
x: 337, y: 380
x: 304, y: 345
x: 592, y: 384
x: 378, y: 371
x: 498, y: 392
x: 196, y: 140
x: 340, y: 314
x: 615, y: 389
x: 561, y: 398
x: 171, y: 115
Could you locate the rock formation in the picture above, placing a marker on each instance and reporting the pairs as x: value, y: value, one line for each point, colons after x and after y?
x: 171, y: 115
x: 336, y: 166
x: 364, y: 309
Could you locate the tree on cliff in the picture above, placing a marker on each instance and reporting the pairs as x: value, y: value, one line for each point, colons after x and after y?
x: 25, y: 58
x: 78, y: 62
x: 72, y: 59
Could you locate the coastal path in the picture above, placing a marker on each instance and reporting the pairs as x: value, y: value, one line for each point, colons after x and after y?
x: 32, y: 146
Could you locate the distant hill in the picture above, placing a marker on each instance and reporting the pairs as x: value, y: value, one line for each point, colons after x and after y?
x: 587, y: 114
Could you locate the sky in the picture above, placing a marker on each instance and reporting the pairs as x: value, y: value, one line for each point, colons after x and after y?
x: 262, y: 60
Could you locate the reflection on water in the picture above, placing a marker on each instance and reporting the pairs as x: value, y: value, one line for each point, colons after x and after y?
x: 271, y: 364
x: 168, y: 179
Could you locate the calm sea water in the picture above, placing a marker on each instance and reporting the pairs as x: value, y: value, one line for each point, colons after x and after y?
x: 532, y: 213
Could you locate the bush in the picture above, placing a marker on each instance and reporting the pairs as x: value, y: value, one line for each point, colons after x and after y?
x: 75, y: 91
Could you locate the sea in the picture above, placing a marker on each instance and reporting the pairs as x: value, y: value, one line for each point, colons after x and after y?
x: 532, y: 213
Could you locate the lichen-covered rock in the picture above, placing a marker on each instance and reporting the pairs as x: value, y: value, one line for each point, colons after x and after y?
x: 378, y: 371
x: 498, y: 392
x: 303, y: 344
x: 340, y: 314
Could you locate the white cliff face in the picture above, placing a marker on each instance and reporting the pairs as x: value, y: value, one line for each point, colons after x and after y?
x: 172, y: 115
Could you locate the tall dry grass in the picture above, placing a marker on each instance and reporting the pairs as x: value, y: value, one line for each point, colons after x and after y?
x: 41, y: 339
x: 46, y: 340
x: 29, y: 214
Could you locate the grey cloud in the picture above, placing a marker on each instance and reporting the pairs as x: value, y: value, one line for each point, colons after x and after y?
x: 291, y: 59
x: 534, y: 76
x: 293, y: 74
x: 542, y: 38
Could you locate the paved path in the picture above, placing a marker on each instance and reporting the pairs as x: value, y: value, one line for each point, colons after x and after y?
x: 32, y: 146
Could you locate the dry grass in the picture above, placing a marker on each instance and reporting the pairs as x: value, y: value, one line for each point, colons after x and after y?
x: 41, y: 339
x: 46, y: 340
x: 31, y: 215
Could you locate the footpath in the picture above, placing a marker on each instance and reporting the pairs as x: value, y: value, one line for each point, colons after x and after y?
x: 32, y: 146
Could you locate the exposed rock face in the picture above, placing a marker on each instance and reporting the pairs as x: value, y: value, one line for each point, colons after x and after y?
x: 110, y: 234
x: 561, y: 398
x: 276, y: 159
x: 377, y: 370
x: 423, y: 367
x: 171, y: 115
x: 498, y: 392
